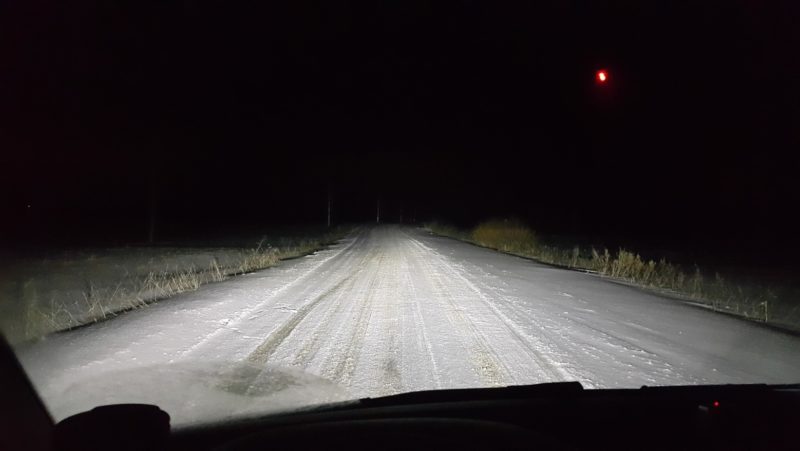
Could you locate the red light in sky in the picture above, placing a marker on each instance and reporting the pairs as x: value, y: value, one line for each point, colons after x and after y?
x: 602, y: 76
x: 716, y: 403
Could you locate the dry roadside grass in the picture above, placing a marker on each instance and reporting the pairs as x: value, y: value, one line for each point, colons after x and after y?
x: 32, y: 307
x: 757, y: 302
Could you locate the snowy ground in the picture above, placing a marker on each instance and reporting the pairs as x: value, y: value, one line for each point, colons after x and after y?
x: 57, y: 287
x: 390, y: 310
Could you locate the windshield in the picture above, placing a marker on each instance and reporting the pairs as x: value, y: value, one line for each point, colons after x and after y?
x: 236, y: 210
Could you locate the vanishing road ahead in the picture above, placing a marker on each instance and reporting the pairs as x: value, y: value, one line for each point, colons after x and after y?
x: 393, y: 309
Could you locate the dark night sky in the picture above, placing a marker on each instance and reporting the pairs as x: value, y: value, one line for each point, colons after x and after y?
x: 245, y: 114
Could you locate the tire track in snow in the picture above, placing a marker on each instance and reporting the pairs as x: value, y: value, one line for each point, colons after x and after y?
x: 483, y: 357
x: 311, y: 346
x: 391, y: 355
x: 323, y: 327
x: 387, y: 322
x: 422, y: 335
x: 342, y: 365
x: 232, y: 325
x: 552, y: 370
x: 262, y: 353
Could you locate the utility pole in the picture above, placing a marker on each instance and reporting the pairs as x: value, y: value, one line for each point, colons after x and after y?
x: 378, y: 212
x: 329, y: 207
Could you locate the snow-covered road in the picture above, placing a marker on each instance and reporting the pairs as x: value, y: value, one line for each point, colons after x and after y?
x: 393, y: 309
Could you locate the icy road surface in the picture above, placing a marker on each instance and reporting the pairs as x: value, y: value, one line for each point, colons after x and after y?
x: 393, y: 309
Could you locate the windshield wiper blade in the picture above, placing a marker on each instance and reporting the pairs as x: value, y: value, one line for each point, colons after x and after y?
x: 547, y: 389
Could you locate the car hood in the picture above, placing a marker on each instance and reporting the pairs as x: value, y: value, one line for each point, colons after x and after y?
x: 197, y: 392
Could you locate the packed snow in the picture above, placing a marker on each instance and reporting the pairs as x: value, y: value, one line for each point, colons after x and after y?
x: 389, y: 310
